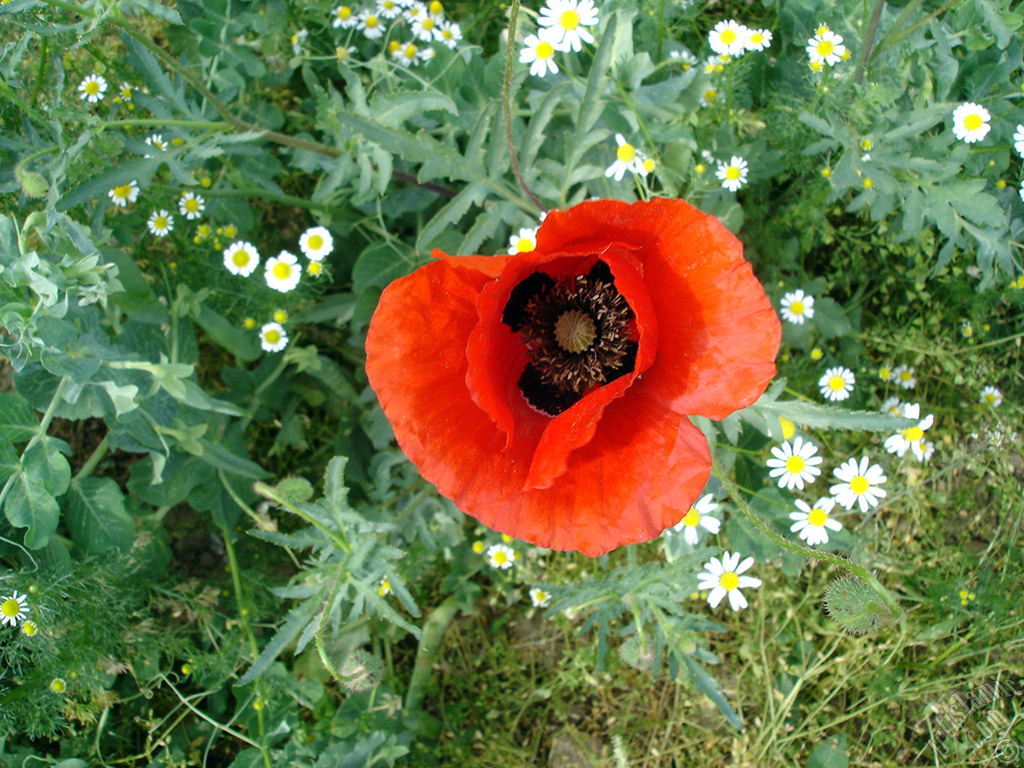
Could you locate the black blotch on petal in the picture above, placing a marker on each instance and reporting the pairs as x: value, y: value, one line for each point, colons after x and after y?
x: 514, y: 314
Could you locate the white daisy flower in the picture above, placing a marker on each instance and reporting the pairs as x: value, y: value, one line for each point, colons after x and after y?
x: 911, y: 438
x: 627, y: 158
x: 539, y: 598
x: 425, y: 29
x: 273, y: 337
x: 436, y: 9
x: 539, y: 52
x: 524, y: 241
x: 990, y: 396
x: 344, y: 17
x: 191, y: 205
x: 796, y: 307
x: 837, y: 383
x: 795, y: 464
x: 157, y: 142
x: 241, y: 258
x: 758, y: 39
x: 966, y: 329
x: 58, y: 685
x: 124, y: 194
x: 316, y: 243
x: 860, y: 484
x: 298, y: 40
x: 414, y: 10
x: 728, y: 38
x: 13, y: 609
x: 344, y: 54
x: 723, y: 577
x: 813, y: 523
x: 160, y: 223
x: 893, y: 406
x: 1018, y: 140
x: 370, y: 24
x: 927, y: 451
x: 427, y: 53
x: 826, y: 48
x: 567, y: 19
x: 709, y: 96
x: 687, y: 59
x: 699, y: 515
x: 904, y: 376
x: 449, y: 33
x: 407, y: 55
x: 970, y: 122
x: 92, y: 89
x: 384, y: 587
x: 125, y: 92
x: 282, y: 272
x: 501, y: 556
x: 733, y: 174
x: 388, y: 9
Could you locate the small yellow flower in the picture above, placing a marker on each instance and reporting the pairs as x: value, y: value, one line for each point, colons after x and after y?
x: 205, y: 181
x: 826, y: 172
x: 700, y: 168
x: 315, y: 268
x: 30, y: 629
x: 478, y: 547
x: 868, y: 183
x: 249, y: 323
x: 816, y: 354
x: 58, y: 685
x: 1000, y: 184
x: 280, y: 316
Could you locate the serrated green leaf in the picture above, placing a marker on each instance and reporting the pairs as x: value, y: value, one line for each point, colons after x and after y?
x: 818, y: 416
x: 707, y: 685
x: 219, y: 457
x: 829, y: 318
x: 450, y: 215
x: 393, y: 108
x: 380, y: 263
x: 815, y: 122
x: 297, y: 620
x: 95, y: 514
x: 335, y: 489
x: 592, y: 103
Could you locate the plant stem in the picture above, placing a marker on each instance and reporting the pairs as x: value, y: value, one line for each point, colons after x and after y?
x: 506, y: 104
x: 94, y: 458
x: 322, y: 628
x: 829, y: 557
x: 433, y: 637
x: 869, y: 39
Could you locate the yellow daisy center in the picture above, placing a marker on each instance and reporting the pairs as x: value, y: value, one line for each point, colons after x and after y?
x: 990, y: 398
x: 436, y: 8
x: 410, y: 51
x: 728, y: 36
x: 569, y: 20
x: 123, y: 191
x: 371, y: 22
x: 30, y: 628
x: 837, y: 384
x: 500, y: 557
x: 825, y: 48
x: 797, y: 307
x: 394, y: 46
x: 92, y: 87
x: 191, y: 206
x: 545, y: 50
x: 817, y: 517
x: 884, y: 373
x: 859, y: 484
x: 523, y: 245
x: 240, y: 258
x: 973, y: 122
x: 626, y: 153
x: 732, y: 172
x: 729, y: 581
x: 757, y: 38
x: 692, y: 518
x: 315, y: 268
x: 282, y: 270
x: 913, y: 434
x: 160, y: 222
x: 10, y: 608
x: 316, y: 242
x: 272, y: 336
x: 795, y: 465
x: 710, y: 94
x: 905, y: 375
x: 344, y: 13
x: 428, y: 24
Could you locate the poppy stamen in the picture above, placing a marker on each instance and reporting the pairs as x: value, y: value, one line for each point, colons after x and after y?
x: 578, y: 331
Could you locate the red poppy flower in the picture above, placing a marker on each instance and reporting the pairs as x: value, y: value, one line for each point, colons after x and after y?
x: 548, y: 393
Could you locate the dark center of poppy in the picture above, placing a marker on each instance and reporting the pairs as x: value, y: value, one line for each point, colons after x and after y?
x: 579, y: 334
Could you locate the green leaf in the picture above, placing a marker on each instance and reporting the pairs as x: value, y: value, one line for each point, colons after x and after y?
x: 451, y: 214
x: 829, y: 318
x: 44, y: 460
x: 298, y: 618
x: 29, y: 505
x: 380, y: 263
x: 592, y: 103
x: 707, y: 685
x: 95, y: 514
x: 393, y: 108
x: 815, y: 122
x: 221, y: 458
x: 818, y: 416
x: 122, y: 396
x: 830, y: 753
x: 18, y: 420
x: 238, y: 341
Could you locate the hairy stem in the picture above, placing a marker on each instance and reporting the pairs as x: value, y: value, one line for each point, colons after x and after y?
x: 506, y: 104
